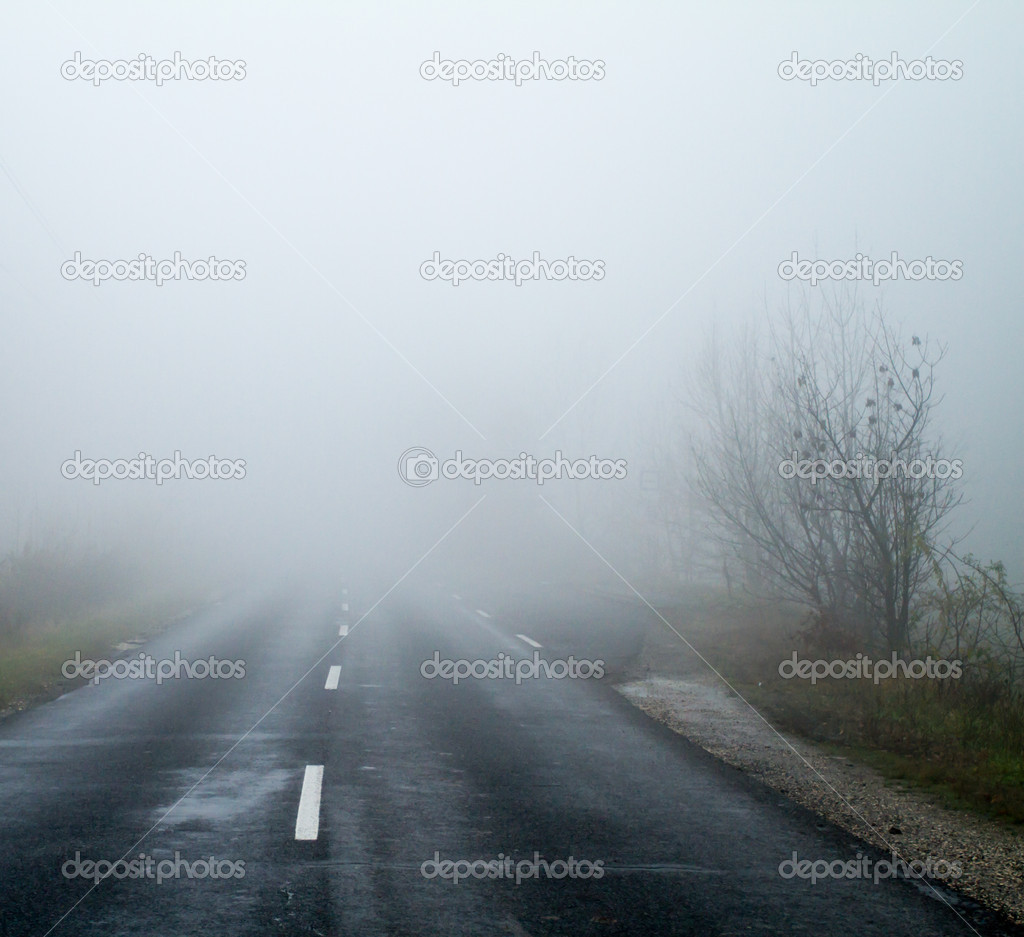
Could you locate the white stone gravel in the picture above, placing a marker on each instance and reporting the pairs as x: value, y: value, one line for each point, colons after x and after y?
x: 850, y: 795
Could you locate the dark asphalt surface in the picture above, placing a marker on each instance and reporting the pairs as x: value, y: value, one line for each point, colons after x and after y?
x: 413, y: 769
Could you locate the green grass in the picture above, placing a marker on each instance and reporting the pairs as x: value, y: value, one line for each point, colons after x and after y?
x: 30, y: 663
x: 962, y: 741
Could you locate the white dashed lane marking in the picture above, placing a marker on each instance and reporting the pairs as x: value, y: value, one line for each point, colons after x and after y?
x: 307, y: 823
x: 530, y: 641
x: 333, y: 676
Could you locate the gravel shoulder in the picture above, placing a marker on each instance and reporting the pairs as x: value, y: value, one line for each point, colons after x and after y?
x: 853, y: 796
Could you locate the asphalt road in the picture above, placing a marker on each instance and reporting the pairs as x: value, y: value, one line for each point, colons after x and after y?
x: 344, y: 801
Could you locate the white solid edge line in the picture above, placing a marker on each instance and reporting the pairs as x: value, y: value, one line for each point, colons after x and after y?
x: 480, y: 611
x: 342, y: 631
x: 530, y: 641
x: 307, y: 823
x: 333, y: 676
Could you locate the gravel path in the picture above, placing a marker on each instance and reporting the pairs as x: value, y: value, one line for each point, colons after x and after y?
x: 852, y: 796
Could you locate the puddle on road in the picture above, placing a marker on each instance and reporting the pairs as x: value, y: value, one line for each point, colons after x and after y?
x: 222, y: 795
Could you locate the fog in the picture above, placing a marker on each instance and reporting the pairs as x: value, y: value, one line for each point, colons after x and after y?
x: 333, y: 170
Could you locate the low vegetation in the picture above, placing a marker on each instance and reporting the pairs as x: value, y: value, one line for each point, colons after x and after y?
x: 60, y: 600
x: 962, y: 739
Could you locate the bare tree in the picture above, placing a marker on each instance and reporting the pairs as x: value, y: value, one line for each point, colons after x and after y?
x: 837, y: 389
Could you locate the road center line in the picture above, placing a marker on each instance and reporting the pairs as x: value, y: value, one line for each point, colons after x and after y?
x: 307, y: 823
x: 530, y: 641
x: 333, y: 676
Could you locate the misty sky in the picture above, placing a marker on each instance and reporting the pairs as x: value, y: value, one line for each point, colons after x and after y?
x: 334, y: 171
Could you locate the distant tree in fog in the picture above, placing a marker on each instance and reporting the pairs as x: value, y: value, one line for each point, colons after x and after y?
x: 830, y: 384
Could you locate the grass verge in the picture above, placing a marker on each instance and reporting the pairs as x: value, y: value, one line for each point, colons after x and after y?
x: 30, y: 663
x: 961, y: 740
